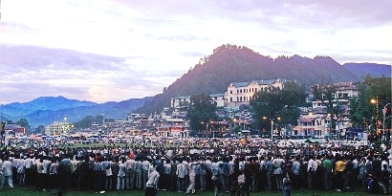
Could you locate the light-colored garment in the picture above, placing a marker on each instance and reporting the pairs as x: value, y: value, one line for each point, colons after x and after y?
x: 153, y: 180
x: 180, y: 170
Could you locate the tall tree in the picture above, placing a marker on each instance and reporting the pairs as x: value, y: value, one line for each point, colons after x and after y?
x: 325, y: 92
x: 280, y: 105
x: 201, y: 111
x: 23, y: 122
x: 40, y: 129
x: 364, y: 113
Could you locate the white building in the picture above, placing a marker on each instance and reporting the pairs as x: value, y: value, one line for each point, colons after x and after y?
x: 239, y: 93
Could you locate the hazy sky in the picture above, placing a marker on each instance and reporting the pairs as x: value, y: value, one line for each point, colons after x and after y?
x: 102, y: 51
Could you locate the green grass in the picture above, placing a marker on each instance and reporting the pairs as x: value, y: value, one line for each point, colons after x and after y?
x: 30, y: 191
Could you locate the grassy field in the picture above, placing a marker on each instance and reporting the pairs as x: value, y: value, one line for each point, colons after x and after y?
x: 30, y: 191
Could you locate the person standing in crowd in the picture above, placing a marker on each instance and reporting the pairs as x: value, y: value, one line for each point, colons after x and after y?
x: 39, y: 183
x: 362, y: 172
x: 385, y: 179
x: 21, y: 169
x: 74, y: 171
x: 138, y: 172
x: 218, y: 188
x: 6, y: 167
x: 185, y: 162
x: 278, y: 171
x: 312, y: 166
x: 130, y: 173
x: 121, y: 174
x: 203, y: 175
x: 98, y: 173
x: 108, y: 165
x: 29, y: 171
x: 115, y: 170
x: 82, y: 174
x: 173, y: 175
x: 269, y: 168
x: 192, y: 177
x: 45, y: 171
x: 327, y: 167
x: 296, y: 177
x: 152, y: 183
x: 53, y: 173
x: 349, y: 184
x: 339, y: 169
x: 376, y: 166
x: 181, y: 172
x: 145, y: 169
x: 166, y: 175
x: 287, y: 187
x: 64, y: 171
x: 262, y: 176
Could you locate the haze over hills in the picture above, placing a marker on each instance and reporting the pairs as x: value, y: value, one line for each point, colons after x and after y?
x: 374, y: 69
x: 46, y: 110
x: 212, y: 74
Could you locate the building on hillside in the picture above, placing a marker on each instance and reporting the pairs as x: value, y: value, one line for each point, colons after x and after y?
x: 239, y: 93
x: 178, y: 102
x: 55, y: 128
x: 14, y: 129
x: 344, y: 91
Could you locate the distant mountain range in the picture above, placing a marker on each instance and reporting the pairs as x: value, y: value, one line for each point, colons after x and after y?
x: 374, y: 69
x: 46, y: 110
x: 212, y: 74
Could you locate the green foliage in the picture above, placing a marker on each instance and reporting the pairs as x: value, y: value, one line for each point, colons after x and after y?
x: 362, y: 111
x: 201, y: 111
x: 23, y: 122
x: 40, y: 129
x: 231, y: 63
x: 88, y: 120
x: 325, y: 91
x: 278, y: 104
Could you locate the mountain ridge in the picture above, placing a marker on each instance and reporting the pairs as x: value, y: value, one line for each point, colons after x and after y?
x: 211, y: 75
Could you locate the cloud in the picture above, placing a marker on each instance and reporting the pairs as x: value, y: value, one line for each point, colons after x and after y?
x: 119, y: 49
x: 34, y: 71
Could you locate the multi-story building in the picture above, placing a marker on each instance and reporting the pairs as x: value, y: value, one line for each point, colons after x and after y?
x: 239, y: 93
x: 316, y: 121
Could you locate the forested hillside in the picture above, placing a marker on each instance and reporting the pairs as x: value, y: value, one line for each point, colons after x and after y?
x: 231, y: 63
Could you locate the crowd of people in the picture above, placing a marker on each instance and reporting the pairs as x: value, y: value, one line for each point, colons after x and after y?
x: 223, y: 169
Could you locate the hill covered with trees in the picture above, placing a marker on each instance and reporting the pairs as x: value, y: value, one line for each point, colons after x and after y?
x: 231, y: 63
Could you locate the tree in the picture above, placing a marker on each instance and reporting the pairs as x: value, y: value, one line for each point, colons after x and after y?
x: 365, y: 114
x: 325, y: 92
x: 40, y: 129
x: 278, y: 104
x: 99, y: 119
x: 23, y: 122
x: 85, y: 123
x: 201, y: 111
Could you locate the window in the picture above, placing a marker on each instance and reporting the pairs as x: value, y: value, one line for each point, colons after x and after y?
x: 231, y: 91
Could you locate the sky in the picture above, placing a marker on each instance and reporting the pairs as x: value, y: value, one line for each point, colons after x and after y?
x: 120, y: 49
